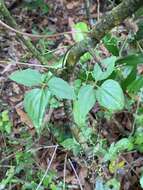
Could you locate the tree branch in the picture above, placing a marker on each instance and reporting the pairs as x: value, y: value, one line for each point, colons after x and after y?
x: 109, y: 21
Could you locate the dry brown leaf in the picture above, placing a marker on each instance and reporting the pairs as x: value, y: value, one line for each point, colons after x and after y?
x: 24, y: 118
x: 83, y: 174
x: 71, y: 5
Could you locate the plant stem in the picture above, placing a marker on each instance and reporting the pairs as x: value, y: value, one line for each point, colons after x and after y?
x: 87, y: 9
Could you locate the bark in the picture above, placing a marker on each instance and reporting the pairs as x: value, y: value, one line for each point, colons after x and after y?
x: 109, y: 21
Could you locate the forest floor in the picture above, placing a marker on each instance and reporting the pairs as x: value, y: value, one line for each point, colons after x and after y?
x: 25, y: 156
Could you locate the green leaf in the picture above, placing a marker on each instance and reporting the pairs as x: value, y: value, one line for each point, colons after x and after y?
x: 138, y: 140
x: 81, y: 28
x: 35, y: 103
x: 139, y: 13
x: 136, y: 85
x: 130, y: 78
x: 109, y: 64
x: 111, y: 154
x: 124, y: 144
x: 8, y: 127
x: 61, y: 89
x: 8, y: 177
x: 27, y: 77
x: 113, y: 184
x: 110, y: 95
x: 71, y: 144
x: 115, y: 149
x: 86, y: 57
x: 5, y: 115
x: 139, y: 34
x: 141, y: 181
x: 85, y: 101
x: 132, y: 60
x: 111, y: 43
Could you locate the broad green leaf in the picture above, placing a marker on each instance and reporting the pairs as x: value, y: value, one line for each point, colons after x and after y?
x: 136, y: 85
x: 108, y: 64
x: 61, y: 89
x: 130, y: 78
x: 78, y: 118
x: 35, y: 103
x: 111, y: 154
x: 72, y: 144
x: 69, y: 143
x: 81, y: 28
x: 132, y: 60
x: 85, y: 101
x: 110, y: 95
x: 27, y: 77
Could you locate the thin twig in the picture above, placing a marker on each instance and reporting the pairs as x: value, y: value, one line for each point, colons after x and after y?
x: 135, y: 116
x: 123, y: 46
x: 75, y: 174
x: 64, y: 177
x: 96, y: 59
x: 46, y: 172
x: 131, y: 167
x: 12, y: 63
x: 139, y: 46
x: 6, y: 166
x: 47, y: 117
x: 41, y: 147
x: 119, y: 126
x: 87, y: 9
x: 36, y: 35
x: 98, y: 10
